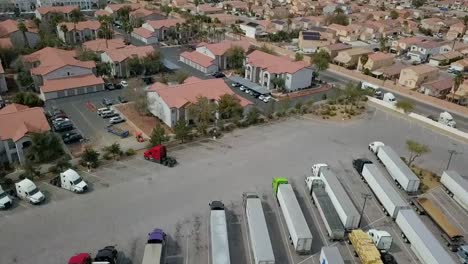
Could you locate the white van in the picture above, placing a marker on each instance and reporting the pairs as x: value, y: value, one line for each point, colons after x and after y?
x: 389, y: 98
x: 5, y: 201
x: 366, y: 85
x: 27, y: 190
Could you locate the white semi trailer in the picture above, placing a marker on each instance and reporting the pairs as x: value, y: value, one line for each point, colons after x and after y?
x: 456, y: 186
x: 219, y: 235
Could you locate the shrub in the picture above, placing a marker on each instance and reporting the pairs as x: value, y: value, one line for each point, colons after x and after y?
x: 324, y: 96
x: 107, y: 156
x: 130, y: 152
x: 332, y: 113
x: 364, y: 99
x: 298, y: 105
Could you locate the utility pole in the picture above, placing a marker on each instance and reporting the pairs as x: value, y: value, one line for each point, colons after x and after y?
x: 451, y: 152
x: 366, y: 196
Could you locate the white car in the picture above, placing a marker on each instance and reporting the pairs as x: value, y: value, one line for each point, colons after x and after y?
x: 104, y: 109
x: 60, y: 120
x: 261, y: 97
x: 242, y: 88
x: 116, y: 120
x: 124, y: 83
x: 266, y: 99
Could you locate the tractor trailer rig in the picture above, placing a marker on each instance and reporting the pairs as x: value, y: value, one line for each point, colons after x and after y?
x: 219, y: 235
x: 299, y: 231
x: 155, y: 248
x: 364, y: 247
x: 456, y: 187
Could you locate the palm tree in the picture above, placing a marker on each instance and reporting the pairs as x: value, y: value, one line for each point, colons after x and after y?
x: 76, y: 16
x: 457, y: 81
x: 364, y: 58
x: 64, y: 29
x: 105, y: 27
x: 37, y: 22
x: 22, y: 27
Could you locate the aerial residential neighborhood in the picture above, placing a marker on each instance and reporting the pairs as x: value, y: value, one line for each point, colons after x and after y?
x: 243, y: 131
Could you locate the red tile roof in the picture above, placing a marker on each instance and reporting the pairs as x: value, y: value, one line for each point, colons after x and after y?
x: 101, y: 12
x: 157, y: 24
x: 56, y: 9
x: 70, y: 83
x: 6, y: 43
x: 18, y: 120
x: 275, y: 64
x: 143, y: 12
x: 51, y: 59
x: 100, y: 45
x: 440, y: 85
x: 82, y: 25
x: 143, y: 32
x: 198, y: 58
x: 219, y: 49
x: 117, y: 7
x: 379, y: 56
x: 119, y: 55
x: 9, y: 26
x: 180, y: 95
x: 2, y: 71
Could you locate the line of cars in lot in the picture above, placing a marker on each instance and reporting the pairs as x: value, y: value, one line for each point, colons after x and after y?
x: 259, y: 96
x: 64, y: 126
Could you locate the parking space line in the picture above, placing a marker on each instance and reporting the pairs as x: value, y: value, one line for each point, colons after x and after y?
x: 83, y: 116
x: 209, y: 242
x: 455, y: 203
x: 447, y: 212
x: 311, y: 207
x: 373, y: 222
x: 284, y: 233
x: 350, y: 253
x: 187, y: 250
x: 310, y: 257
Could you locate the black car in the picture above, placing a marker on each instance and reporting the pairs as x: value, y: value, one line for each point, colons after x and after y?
x: 122, y: 99
x: 65, y: 126
x: 107, y: 254
x: 107, y: 102
x: 72, y: 138
x: 118, y: 86
x: 110, y: 86
x: 218, y: 75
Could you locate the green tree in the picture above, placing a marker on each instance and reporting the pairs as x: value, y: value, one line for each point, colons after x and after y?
x: 30, y: 170
x: 123, y: 14
x: 105, y: 28
x: 76, y: 16
x: 298, y: 56
x: 7, y: 56
x: 229, y: 107
x: 28, y: 98
x: 202, y: 112
x: 321, y: 60
x: 416, y: 150
x: 158, y: 136
x: 236, y: 57
x: 135, y: 66
x: 103, y: 68
x: 24, y: 78
x: 351, y: 93
x: 90, y: 155
x: 181, y: 130
x: 364, y: 58
x: 37, y: 22
x: 113, y: 150
x: 55, y: 19
x: 138, y: 97
x: 63, y: 164
x: 394, y: 14
x: 22, y: 27
x: 465, y: 20
x: 180, y: 76
x: 166, y: 9
x: 278, y: 83
x: 252, y: 116
x: 45, y: 147
x: 152, y: 63
x: 338, y: 18
x: 87, y: 55
x: 405, y: 105
x: 418, y: 3
x: 383, y: 43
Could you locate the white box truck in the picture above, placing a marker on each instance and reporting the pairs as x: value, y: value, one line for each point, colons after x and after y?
x: 382, y: 239
x: 299, y: 231
x: 382, y: 188
x: 219, y: 235
x: 400, y: 172
x: 345, y: 208
x: 258, y: 231
x: 5, y: 200
x: 423, y: 242
x: 27, y: 190
x: 456, y: 186
x: 330, y: 255
x: 70, y: 180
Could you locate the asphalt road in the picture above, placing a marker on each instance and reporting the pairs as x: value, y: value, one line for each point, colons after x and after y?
x: 131, y: 197
x: 420, y: 108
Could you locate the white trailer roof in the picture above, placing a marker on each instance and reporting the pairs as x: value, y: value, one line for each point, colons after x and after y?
x: 260, y: 238
x: 399, y: 163
x: 328, y: 209
x: 219, y: 238
x: 338, y: 190
x: 294, y: 211
x: 152, y: 254
x: 332, y: 255
x: 385, y: 184
x: 463, y: 182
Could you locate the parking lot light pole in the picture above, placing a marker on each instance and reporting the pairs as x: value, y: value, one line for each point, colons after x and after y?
x: 365, y: 196
x: 451, y: 152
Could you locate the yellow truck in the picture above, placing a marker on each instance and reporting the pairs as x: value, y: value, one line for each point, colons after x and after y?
x: 364, y: 248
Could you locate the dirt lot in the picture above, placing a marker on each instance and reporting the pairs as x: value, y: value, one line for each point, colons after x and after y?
x: 143, y: 123
x: 429, y: 180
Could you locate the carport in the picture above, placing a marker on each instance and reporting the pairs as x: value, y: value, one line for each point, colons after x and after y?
x: 251, y: 85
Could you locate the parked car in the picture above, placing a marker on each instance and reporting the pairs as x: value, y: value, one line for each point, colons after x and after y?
x: 242, y: 88
x: 122, y: 99
x: 58, y: 115
x: 266, y: 99
x: 60, y: 120
x: 72, y: 138
x: 118, y: 86
x: 110, y: 86
x: 108, y: 114
x: 218, y: 75
x: 261, y: 97
x: 116, y: 120
x: 65, y: 126
x: 107, y: 102
x: 235, y: 85
x: 124, y: 83
x: 103, y: 109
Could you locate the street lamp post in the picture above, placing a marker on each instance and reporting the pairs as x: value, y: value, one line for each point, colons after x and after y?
x: 366, y: 196
x: 451, y: 152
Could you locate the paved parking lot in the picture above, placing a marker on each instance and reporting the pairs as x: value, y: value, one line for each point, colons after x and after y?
x: 131, y: 197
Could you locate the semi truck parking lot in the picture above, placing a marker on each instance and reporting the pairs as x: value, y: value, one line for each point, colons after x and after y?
x: 130, y: 197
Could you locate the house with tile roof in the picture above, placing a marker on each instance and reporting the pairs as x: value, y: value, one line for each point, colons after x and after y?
x: 413, y: 76
x: 438, y: 88
x: 79, y: 32
x: 434, y: 24
x: 9, y: 33
x: 154, y: 31
x: 112, y: 9
x: 83, y: 4
x: 349, y: 58
x: 460, y: 95
x: 262, y: 68
x: 170, y: 102
x: 422, y: 51
x: 76, y: 85
x: 3, y: 85
x: 118, y: 58
x: 210, y: 58
x: 101, y: 45
x: 44, y: 13
x: 51, y: 63
x: 376, y: 60
x: 402, y: 45
x: 17, y: 123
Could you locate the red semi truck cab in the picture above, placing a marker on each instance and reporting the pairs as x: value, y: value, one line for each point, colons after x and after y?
x: 156, y: 153
x: 82, y: 258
